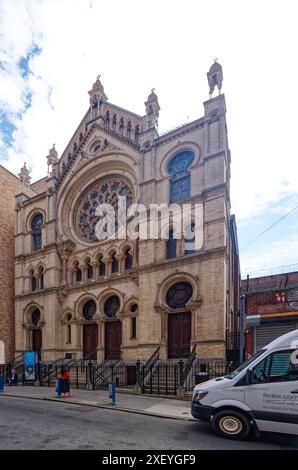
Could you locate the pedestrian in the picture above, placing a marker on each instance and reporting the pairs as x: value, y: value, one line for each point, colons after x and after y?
x: 13, y: 378
x: 65, y: 382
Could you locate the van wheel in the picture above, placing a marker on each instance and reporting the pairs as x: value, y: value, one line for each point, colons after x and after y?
x: 231, y: 424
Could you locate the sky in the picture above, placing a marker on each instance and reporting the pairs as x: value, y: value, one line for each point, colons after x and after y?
x: 52, y: 50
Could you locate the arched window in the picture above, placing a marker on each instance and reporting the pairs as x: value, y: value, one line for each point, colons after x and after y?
x: 78, y: 272
x: 189, y: 243
x: 35, y: 317
x: 33, y: 281
x: 179, y: 294
x: 36, y: 225
x: 171, y: 246
x: 89, y: 309
x: 101, y: 267
x: 41, y: 278
x: 89, y: 270
x: 112, y: 306
x: 180, y: 177
x: 114, y: 262
x: 128, y: 259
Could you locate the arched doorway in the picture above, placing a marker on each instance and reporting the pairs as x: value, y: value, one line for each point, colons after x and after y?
x: 90, y: 331
x: 113, y: 329
x: 179, y: 324
x: 36, y: 333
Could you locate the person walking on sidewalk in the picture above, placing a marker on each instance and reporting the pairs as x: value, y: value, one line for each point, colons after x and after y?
x: 65, y: 382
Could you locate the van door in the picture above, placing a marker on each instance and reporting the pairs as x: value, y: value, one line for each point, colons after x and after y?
x: 273, y: 394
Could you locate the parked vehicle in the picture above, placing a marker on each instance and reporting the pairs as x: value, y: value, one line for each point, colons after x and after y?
x: 261, y: 395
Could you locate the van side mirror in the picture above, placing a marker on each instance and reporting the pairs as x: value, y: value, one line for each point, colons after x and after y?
x: 249, y: 377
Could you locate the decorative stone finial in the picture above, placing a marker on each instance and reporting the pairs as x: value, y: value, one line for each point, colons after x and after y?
x: 24, y: 175
x: 97, y: 92
x: 152, y: 110
x: 52, y: 158
x: 215, y: 77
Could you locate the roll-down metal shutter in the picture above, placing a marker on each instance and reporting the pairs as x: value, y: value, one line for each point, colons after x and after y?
x: 266, y: 333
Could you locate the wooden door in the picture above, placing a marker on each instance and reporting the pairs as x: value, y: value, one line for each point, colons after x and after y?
x: 37, y: 342
x: 113, y: 339
x: 90, y: 341
x: 179, y: 335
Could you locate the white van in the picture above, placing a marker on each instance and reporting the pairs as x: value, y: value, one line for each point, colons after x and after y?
x: 262, y: 394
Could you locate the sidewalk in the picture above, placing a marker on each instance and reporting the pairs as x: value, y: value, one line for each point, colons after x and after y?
x: 148, y: 405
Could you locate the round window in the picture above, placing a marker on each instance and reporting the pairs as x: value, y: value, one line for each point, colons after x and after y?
x: 179, y: 294
x: 112, y: 306
x: 89, y: 309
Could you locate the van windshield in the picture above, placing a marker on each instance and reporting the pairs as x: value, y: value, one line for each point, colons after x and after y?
x: 244, y: 364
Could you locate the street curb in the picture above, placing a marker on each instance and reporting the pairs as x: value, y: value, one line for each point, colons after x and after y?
x: 105, y: 407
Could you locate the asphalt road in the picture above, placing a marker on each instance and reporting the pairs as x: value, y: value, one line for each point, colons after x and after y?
x: 33, y: 424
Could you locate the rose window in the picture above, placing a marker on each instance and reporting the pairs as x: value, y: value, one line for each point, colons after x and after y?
x: 179, y: 294
x: 102, y: 192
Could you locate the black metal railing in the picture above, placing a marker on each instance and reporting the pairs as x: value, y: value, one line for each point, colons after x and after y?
x: 188, y: 367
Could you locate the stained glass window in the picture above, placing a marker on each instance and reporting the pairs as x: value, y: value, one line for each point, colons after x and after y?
x: 101, y: 192
x: 111, y: 306
x: 180, y: 178
x: 89, y: 309
x: 179, y: 294
x: 36, y: 225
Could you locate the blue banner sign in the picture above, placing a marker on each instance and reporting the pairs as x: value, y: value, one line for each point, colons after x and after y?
x: 30, y: 365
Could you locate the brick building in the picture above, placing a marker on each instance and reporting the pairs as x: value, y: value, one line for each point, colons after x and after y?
x: 10, y: 186
x: 122, y: 299
x: 271, y: 308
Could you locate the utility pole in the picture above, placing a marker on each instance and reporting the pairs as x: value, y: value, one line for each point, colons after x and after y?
x: 241, y: 328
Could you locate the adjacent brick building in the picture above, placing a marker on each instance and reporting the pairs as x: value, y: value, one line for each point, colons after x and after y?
x: 271, y: 308
x: 10, y: 186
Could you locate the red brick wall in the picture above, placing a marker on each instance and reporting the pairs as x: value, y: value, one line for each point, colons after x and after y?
x: 10, y: 185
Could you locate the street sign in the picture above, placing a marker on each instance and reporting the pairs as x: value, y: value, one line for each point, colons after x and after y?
x: 30, y: 365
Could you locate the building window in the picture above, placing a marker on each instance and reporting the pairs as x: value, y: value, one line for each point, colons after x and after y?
x: 89, y: 309
x: 36, y: 225
x: 35, y: 317
x: 180, y: 177
x: 104, y: 191
x: 171, y: 246
x: 101, y: 267
x: 133, y: 327
x: 189, y: 242
x: 68, y: 334
x: 114, y: 263
x: 41, y: 278
x: 78, y: 273
x: 111, y: 306
x: 89, y: 270
x: 128, y: 260
x: 134, y: 308
x: 180, y: 189
x: 33, y: 282
x: 179, y: 294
